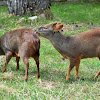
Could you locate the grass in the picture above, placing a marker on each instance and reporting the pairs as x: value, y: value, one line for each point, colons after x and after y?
x: 52, y: 84
x: 78, y: 13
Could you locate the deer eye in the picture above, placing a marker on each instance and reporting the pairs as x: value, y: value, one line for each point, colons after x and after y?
x: 45, y: 28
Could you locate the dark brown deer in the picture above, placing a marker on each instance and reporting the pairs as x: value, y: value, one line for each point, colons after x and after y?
x: 73, y: 47
x: 21, y: 43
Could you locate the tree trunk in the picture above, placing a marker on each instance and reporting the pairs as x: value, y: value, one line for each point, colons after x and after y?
x: 20, y: 7
x: 41, y: 5
x: 17, y: 7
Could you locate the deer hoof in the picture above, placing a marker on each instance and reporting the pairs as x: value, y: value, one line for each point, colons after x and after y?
x: 67, y: 79
x: 38, y: 75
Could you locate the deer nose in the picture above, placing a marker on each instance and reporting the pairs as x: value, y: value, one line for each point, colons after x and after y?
x: 35, y: 31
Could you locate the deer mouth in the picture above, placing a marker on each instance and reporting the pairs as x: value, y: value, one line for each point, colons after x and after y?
x: 37, y: 32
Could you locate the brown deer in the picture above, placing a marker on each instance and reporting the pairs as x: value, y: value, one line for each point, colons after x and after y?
x: 73, y: 47
x: 21, y: 43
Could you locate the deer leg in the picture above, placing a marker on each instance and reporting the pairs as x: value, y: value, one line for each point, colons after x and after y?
x: 69, y: 69
x: 26, y: 62
x: 97, y: 75
x: 17, y: 60
x: 77, y: 68
x: 37, y: 63
x: 8, y: 57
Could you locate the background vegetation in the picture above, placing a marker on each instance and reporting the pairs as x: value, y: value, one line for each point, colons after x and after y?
x: 52, y: 84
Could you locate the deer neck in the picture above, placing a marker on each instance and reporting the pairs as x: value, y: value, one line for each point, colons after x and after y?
x: 57, y: 41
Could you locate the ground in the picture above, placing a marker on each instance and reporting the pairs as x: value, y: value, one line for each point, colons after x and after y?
x: 52, y: 84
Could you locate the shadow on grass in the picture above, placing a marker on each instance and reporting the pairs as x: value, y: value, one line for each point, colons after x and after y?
x: 48, y: 75
x: 60, y: 76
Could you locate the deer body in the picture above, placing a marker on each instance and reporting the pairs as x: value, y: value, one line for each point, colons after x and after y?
x: 73, y: 47
x: 83, y: 45
x: 21, y: 43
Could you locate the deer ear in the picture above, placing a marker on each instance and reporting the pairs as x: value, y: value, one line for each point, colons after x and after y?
x: 54, y: 25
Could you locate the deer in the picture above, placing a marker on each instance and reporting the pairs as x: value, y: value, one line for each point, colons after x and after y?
x: 20, y: 43
x: 73, y: 47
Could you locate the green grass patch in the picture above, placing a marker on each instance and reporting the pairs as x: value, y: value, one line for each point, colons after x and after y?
x: 52, y: 85
x: 78, y: 12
